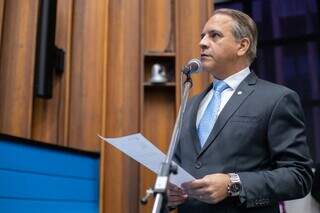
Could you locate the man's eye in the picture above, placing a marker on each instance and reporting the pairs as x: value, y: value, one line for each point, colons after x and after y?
x: 214, y: 35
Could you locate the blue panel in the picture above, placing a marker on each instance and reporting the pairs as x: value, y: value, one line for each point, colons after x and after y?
x: 29, y: 185
x: 48, y: 161
x: 47, y: 180
x: 43, y: 206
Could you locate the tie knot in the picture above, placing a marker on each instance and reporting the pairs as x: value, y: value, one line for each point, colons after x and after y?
x: 219, y: 86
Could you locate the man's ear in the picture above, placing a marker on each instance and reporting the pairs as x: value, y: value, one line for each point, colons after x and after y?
x: 244, y: 45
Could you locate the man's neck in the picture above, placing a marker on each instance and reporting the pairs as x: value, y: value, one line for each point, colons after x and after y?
x: 223, y: 74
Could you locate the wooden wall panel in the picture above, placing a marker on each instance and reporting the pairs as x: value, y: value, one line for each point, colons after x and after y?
x: 160, y: 102
x: 17, y: 67
x: 159, y: 118
x: 88, y: 67
x: 1, y: 17
x: 45, y: 117
x: 120, y: 183
x: 191, y: 17
x: 158, y: 26
x: 64, y: 41
x: 99, y: 92
x: 50, y: 117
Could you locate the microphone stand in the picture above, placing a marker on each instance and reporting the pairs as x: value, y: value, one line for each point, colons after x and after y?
x: 167, y: 168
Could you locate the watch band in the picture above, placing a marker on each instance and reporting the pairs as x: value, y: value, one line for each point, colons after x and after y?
x: 234, y: 177
x: 234, y: 187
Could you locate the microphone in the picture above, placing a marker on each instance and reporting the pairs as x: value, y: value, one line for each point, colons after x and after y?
x: 193, y: 66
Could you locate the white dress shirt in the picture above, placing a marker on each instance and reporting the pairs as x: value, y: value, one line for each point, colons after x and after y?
x: 233, y: 82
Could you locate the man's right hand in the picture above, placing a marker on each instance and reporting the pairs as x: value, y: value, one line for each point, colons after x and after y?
x: 176, y: 195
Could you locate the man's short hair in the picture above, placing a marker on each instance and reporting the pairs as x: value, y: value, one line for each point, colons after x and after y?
x: 244, y: 27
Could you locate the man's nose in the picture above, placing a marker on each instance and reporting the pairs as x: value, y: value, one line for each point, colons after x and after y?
x: 204, y: 42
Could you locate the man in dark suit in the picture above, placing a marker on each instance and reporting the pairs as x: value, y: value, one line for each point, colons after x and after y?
x: 243, y: 138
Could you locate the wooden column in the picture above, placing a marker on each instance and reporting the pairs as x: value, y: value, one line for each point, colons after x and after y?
x: 88, y: 65
x: 1, y: 17
x: 17, y: 67
x: 119, y: 185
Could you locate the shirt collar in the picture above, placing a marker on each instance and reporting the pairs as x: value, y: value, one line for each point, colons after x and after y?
x: 234, y: 80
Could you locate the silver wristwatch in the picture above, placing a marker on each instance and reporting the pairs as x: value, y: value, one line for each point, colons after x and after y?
x: 234, y: 187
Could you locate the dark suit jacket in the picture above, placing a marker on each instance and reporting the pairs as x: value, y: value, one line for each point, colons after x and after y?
x: 259, y: 134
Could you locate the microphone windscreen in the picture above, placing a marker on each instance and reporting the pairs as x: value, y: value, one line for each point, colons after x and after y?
x: 195, y: 65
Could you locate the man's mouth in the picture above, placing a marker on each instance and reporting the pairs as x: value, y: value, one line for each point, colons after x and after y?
x: 203, y: 55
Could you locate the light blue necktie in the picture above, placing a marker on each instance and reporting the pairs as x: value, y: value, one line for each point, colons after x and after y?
x: 211, y: 113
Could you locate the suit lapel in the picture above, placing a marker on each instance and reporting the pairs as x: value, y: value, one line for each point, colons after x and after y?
x: 193, y: 119
x: 242, y: 92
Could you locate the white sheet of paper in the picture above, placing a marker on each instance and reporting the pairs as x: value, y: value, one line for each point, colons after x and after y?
x: 143, y: 151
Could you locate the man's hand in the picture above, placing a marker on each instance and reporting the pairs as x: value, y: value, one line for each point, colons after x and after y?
x: 210, y: 189
x: 176, y: 195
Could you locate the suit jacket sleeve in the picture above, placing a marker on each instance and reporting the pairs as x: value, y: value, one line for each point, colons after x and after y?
x: 290, y: 176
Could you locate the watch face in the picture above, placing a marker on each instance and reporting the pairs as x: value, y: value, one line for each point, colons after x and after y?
x: 235, y: 188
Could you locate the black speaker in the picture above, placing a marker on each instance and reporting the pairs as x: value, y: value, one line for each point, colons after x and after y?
x: 49, y: 58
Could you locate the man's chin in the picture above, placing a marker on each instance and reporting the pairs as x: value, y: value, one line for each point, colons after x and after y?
x: 207, y: 66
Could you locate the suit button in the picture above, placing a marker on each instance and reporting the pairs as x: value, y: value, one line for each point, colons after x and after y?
x: 198, y: 164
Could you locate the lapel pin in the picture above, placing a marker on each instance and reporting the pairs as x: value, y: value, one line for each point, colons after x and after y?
x: 239, y: 92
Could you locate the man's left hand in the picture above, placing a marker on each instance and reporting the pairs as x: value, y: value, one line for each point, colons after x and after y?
x: 210, y: 189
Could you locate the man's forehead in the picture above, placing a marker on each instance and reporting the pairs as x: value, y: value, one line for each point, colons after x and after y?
x: 219, y: 22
